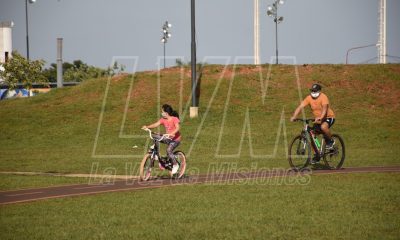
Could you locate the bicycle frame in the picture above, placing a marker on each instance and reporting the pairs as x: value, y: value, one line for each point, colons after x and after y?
x: 308, y: 132
x: 155, y: 151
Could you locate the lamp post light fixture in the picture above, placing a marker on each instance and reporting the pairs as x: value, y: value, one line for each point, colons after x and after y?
x: 27, y: 26
x: 273, y: 12
x: 166, y: 35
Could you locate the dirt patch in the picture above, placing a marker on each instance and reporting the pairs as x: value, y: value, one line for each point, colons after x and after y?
x: 118, y: 77
x: 249, y: 69
x: 395, y: 69
x: 387, y: 95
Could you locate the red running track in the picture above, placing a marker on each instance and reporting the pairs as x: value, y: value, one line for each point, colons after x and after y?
x: 28, y: 195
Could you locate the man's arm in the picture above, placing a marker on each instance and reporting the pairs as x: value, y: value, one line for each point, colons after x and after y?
x: 296, y: 112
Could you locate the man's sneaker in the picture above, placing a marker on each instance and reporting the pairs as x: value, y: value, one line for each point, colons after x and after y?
x: 175, y: 168
x: 330, y: 144
x: 315, y: 160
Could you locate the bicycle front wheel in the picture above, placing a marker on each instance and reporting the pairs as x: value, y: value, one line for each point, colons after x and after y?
x: 299, y: 153
x: 334, y: 158
x: 181, y: 159
x: 146, y: 166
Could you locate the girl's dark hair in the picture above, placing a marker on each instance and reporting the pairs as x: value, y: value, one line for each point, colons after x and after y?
x: 168, y: 109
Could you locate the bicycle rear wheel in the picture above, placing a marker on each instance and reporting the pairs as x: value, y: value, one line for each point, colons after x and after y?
x: 299, y: 154
x: 334, y: 158
x: 146, y: 166
x: 181, y: 159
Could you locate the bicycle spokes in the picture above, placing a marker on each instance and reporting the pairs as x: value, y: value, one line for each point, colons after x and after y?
x: 334, y: 157
x: 300, y: 149
x: 299, y: 152
x: 181, y: 160
x: 147, y: 168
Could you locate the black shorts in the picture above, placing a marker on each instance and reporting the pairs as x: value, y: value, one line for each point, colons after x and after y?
x: 330, y: 122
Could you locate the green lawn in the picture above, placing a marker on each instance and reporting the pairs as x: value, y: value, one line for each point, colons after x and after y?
x: 240, y: 119
x: 342, y: 206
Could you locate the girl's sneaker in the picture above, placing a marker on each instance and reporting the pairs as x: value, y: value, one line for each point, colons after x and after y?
x: 175, y: 168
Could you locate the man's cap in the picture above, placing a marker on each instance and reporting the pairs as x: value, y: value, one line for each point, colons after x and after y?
x: 315, y: 88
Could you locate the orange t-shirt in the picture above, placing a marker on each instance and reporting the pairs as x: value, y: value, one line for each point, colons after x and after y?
x: 316, y: 105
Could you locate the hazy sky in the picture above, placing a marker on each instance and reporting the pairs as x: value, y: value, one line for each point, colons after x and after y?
x: 313, y: 31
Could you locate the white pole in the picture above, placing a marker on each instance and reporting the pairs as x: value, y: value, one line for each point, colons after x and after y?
x: 60, y: 81
x: 256, y: 33
x: 382, y: 31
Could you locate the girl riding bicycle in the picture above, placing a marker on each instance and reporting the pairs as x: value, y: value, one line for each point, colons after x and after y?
x: 170, y: 120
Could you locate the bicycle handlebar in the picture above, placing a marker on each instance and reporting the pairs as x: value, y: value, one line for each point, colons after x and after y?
x: 151, y: 135
x: 308, y: 120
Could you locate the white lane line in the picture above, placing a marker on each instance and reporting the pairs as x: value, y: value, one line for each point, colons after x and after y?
x: 21, y: 194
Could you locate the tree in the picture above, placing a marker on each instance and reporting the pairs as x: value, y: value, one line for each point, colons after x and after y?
x: 20, y: 70
x: 115, y: 69
x: 80, y: 71
x: 51, y: 73
x: 179, y: 62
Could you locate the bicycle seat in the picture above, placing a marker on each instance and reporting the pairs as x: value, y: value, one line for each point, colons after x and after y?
x: 317, y: 129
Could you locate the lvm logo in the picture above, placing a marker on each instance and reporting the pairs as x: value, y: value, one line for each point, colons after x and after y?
x: 230, y: 108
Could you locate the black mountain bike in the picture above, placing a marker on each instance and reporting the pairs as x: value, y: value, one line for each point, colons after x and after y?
x: 164, y: 163
x: 307, y: 144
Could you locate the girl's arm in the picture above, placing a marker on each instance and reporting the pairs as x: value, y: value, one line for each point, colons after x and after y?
x: 154, y: 125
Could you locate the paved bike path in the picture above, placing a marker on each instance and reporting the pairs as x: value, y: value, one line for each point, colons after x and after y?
x: 28, y: 195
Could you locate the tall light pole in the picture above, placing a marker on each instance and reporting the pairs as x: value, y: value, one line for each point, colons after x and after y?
x: 273, y: 12
x: 27, y: 26
x: 166, y: 35
x: 194, y: 109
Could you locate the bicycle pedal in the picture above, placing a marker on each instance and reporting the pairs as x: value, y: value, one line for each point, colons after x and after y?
x: 301, y: 152
x: 169, y: 168
x: 331, y: 150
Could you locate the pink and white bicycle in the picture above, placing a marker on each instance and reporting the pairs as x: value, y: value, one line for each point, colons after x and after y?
x: 153, y: 156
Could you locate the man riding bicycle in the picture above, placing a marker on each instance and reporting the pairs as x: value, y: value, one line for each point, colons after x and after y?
x: 324, y: 116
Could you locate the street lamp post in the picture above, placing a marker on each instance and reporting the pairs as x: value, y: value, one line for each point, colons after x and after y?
x: 166, y: 35
x: 27, y: 26
x: 354, y: 48
x: 194, y: 109
x: 273, y: 12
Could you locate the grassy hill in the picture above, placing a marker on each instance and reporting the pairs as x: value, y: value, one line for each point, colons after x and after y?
x: 70, y: 129
x: 57, y: 132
